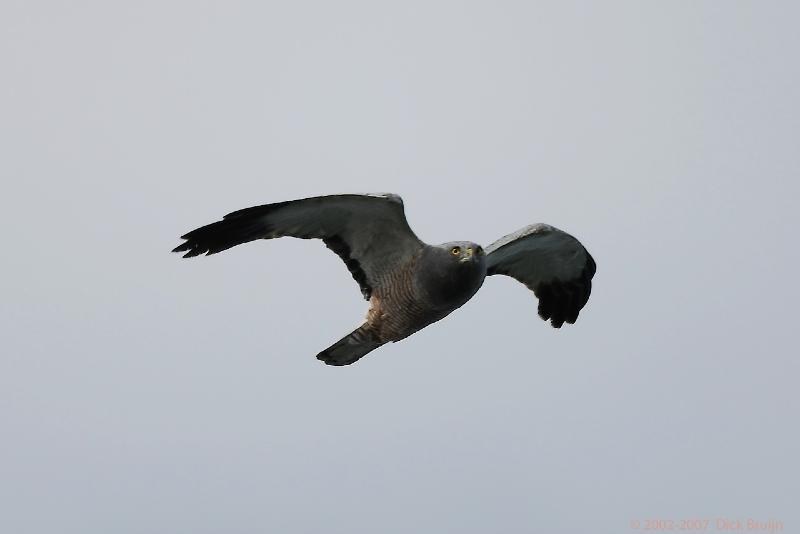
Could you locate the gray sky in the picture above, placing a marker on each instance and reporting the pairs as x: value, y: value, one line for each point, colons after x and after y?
x: 143, y: 393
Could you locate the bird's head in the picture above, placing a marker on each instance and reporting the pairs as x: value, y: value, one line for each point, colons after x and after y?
x: 451, y: 273
x: 464, y: 252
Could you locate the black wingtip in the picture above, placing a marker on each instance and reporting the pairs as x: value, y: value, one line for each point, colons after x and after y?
x: 561, y: 302
x: 190, y: 249
x: 222, y: 235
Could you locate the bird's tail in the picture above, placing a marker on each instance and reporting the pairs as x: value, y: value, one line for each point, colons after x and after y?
x: 352, y: 347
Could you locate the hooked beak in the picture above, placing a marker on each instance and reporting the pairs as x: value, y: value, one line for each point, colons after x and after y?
x: 467, y: 255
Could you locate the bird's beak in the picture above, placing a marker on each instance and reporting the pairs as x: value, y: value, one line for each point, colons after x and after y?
x: 468, y: 255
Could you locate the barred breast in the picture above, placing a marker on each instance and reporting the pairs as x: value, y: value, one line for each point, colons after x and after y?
x: 397, y: 307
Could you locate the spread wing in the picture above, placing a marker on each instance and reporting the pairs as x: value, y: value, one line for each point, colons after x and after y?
x: 369, y: 232
x: 550, y: 262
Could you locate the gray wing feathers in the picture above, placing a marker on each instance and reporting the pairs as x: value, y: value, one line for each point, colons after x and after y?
x: 369, y: 232
x: 550, y: 262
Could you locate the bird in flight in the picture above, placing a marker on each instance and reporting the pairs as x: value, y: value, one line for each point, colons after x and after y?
x: 408, y: 283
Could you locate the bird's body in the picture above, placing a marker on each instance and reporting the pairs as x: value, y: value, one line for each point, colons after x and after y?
x: 409, y: 284
x: 423, y: 290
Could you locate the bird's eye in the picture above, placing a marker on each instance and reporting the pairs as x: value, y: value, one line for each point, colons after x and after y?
x: 479, y: 251
x: 455, y: 251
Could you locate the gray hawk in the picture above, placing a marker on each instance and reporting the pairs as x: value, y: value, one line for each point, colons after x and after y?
x: 408, y: 283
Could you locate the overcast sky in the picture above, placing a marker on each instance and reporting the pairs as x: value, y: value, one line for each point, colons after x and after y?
x: 142, y: 393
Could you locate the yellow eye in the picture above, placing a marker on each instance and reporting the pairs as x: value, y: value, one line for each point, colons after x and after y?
x: 455, y: 251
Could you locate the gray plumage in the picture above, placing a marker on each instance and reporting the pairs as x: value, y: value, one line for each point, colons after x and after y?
x: 408, y: 283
